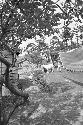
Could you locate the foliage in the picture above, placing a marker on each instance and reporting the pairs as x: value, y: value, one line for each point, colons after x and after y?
x: 44, y: 49
x: 38, y: 53
x: 26, y: 19
x: 55, y: 44
x: 36, y: 58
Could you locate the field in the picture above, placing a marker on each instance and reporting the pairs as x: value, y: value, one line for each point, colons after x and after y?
x: 62, y: 106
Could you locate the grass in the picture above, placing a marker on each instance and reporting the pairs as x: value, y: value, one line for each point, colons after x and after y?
x: 62, y: 106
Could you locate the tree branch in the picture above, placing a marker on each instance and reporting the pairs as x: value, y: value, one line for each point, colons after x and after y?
x: 12, y: 87
x: 3, y: 60
x: 16, y: 106
x: 57, y: 1
x: 10, y: 50
x: 61, y: 9
x: 1, y: 16
x: 4, y: 28
x: 7, y: 47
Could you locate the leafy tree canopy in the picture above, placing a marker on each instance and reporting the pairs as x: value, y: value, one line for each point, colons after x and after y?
x: 22, y: 19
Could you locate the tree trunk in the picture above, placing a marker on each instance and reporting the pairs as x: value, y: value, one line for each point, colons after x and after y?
x: 1, y: 82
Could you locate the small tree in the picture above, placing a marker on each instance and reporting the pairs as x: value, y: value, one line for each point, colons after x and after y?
x: 20, y: 20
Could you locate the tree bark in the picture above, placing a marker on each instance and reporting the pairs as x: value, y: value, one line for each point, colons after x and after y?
x: 3, y: 60
x: 14, y: 89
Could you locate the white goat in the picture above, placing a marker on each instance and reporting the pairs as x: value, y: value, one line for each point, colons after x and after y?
x: 48, y: 67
